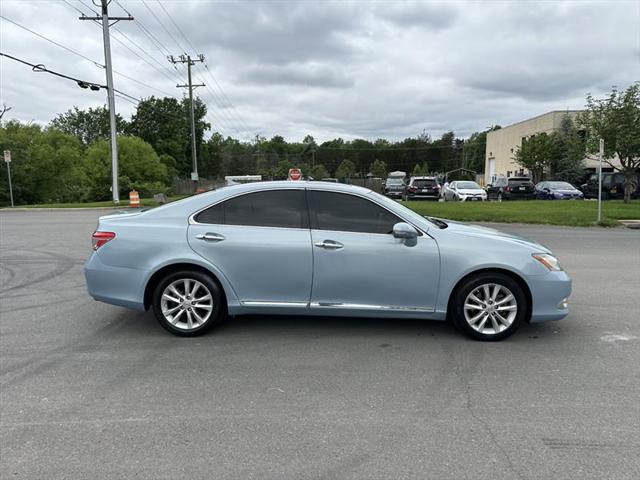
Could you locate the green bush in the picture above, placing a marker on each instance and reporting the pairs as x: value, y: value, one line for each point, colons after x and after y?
x: 137, y: 160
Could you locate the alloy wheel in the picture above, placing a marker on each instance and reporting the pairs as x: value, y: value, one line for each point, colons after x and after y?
x: 490, y: 308
x: 187, y: 304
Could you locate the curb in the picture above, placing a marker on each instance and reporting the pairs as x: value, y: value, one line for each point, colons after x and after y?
x: 633, y: 224
x: 68, y: 209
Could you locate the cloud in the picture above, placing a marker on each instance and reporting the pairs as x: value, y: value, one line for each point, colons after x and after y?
x: 335, y: 68
x: 308, y: 75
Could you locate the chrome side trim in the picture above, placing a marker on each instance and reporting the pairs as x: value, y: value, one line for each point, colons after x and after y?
x: 274, y: 304
x: 363, y: 306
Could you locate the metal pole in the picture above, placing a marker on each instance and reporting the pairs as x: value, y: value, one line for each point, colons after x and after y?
x: 10, y: 187
x: 111, y: 102
x: 600, y: 155
x: 194, y: 159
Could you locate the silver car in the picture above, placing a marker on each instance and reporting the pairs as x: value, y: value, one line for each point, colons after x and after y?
x: 464, y: 191
x: 317, y: 248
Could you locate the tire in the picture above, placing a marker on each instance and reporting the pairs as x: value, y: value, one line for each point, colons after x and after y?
x: 189, y: 319
x: 479, y: 320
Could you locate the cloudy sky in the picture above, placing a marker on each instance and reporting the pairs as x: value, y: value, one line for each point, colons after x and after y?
x: 364, y: 69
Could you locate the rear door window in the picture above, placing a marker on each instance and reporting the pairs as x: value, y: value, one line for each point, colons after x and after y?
x: 272, y: 208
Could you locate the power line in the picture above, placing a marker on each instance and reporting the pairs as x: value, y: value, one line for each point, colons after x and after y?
x: 53, y: 41
x: 84, y: 56
x: 89, y: 7
x: 225, y: 98
x: 177, y: 27
x: 81, y: 83
x: 163, y: 27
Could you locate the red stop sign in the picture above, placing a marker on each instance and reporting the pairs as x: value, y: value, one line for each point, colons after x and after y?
x: 295, y: 174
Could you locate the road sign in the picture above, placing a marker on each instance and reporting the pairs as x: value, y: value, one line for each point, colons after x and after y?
x: 295, y: 174
x: 7, y: 156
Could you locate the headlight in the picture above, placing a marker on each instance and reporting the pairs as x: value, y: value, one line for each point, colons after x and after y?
x: 548, y: 261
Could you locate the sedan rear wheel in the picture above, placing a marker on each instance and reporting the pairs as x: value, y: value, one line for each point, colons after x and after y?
x: 187, y: 303
x: 489, y: 307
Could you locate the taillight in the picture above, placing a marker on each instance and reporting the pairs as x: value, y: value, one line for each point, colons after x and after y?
x: 506, y: 189
x: 413, y: 189
x: 100, y: 238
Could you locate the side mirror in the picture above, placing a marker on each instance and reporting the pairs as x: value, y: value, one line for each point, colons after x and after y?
x: 404, y: 230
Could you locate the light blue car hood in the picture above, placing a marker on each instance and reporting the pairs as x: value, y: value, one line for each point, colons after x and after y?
x: 493, y: 234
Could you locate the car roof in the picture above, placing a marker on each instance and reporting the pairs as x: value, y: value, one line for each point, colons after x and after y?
x: 201, y: 200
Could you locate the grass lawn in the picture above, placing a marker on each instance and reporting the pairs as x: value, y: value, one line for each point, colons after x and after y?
x: 124, y: 203
x: 567, y: 212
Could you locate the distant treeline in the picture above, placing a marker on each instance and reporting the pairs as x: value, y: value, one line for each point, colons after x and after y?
x: 68, y: 159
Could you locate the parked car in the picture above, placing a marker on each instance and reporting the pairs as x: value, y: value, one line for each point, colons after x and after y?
x: 464, y: 190
x: 423, y: 187
x: 552, y: 190
x: 612, y: 186
x: 511, y: 188
x: 395, y: 187
x: 318, y: 248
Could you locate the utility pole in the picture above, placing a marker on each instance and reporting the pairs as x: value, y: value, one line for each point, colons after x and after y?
x: 190, y: 62
x: 105, y: 19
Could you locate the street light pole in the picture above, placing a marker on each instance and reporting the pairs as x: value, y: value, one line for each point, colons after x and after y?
x: 600, y: 155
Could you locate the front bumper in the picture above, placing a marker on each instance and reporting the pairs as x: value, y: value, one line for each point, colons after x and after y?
x: 549, y: 294
x: 115, y: 285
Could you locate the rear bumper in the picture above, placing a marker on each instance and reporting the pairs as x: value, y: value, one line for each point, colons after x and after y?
x: 115, y: 285
x: 394, y: 194
x: 548, y: 292
x: 426, y: 196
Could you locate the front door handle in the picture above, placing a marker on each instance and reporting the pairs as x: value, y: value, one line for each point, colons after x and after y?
x: 329, y: 244
x: 210, y: 237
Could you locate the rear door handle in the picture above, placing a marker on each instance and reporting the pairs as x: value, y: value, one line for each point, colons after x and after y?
x: 329, y: 244
x: 210, y: 237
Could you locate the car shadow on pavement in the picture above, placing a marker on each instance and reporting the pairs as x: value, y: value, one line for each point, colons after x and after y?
x: 265, y: 326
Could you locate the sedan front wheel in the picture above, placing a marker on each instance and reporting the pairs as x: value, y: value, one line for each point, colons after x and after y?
x: 489, y: 307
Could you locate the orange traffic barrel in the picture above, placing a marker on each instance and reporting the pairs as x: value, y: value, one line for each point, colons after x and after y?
x: 134, y: 199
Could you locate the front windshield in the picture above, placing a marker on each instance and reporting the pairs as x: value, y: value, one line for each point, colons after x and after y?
x: 394, y: 181
x: 561, y: 185
x: 468, y: 185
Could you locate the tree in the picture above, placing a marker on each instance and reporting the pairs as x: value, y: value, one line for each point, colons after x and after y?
x: 616, y: 120
x: 88, y: 125
x: 534, y: 154
x: 346, y: 169
x: 165, y: 123
x: 567, y: 161
x: 140, y: 169
x: 420, y: 170
x: 474, y: 150
x: 378, y: 169
x: 45, y: 164
x: 318, y: 172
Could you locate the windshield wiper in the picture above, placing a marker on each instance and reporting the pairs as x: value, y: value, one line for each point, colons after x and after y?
x: 437, y: 222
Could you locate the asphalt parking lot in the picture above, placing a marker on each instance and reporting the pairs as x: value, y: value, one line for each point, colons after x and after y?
x: 90, y: 390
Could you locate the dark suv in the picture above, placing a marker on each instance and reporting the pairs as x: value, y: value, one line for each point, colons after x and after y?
x: 395, y: 187
x: 612, y: 186
x: 512, y: 188
x: 423, y: 187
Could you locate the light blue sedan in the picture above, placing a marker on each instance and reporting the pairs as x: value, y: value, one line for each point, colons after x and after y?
x: 319, y: 248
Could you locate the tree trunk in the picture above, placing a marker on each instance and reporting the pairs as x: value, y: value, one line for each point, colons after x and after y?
x: 630, y: 183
